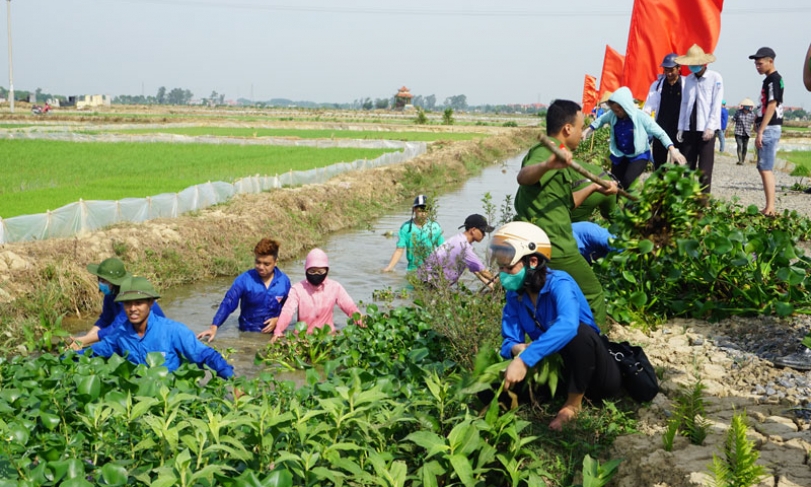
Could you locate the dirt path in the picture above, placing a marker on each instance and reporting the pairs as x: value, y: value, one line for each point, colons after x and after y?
x: 732, y: 359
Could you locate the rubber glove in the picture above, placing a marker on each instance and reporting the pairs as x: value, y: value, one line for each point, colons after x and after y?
x: 586, y: 133
x: 680, y: 136
x: 676, y: 156
x: 708, y: 135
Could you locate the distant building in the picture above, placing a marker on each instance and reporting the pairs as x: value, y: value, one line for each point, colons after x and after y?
x: 93, y: 101
x: 402, y: 98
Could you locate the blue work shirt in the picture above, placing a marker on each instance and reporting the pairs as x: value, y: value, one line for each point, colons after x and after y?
x: 592, y: 240
x: 172, y: 339
x: 113, y: 315
x: 257, y: 303
x: 551, y: 325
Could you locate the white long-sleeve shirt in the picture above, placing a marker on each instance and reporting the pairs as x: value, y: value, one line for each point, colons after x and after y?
x: 708, y: 92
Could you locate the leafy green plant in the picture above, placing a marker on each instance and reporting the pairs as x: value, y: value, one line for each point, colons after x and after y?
x: 299, y: 350
x: 737, y: 466
x: 688, y: 418
x: 596, y: 474
x: 683, y: 255
x: 421, y: 118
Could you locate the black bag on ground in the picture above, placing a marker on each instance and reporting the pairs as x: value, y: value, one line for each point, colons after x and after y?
x: 638, y: 376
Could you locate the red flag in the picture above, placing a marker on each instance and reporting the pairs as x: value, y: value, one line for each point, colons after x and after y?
x: 611, y: 77
x: 589, y: 94
x: 659, y: 27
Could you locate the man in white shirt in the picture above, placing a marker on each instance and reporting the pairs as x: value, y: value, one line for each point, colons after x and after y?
x: 700, y: 113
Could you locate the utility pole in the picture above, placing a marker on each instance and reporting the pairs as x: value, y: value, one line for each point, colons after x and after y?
x: 10, y: 64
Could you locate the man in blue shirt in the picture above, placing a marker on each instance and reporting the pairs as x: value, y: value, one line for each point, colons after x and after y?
x: 592, y: 240
x: 260, y: 293
x: 145, y: 332
x: 722, y: 132
x: 548, y: 306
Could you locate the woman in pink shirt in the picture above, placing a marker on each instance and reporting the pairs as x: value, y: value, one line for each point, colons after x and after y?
x: 315, y: 297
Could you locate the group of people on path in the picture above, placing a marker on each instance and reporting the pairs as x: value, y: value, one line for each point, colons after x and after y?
x: 688, y: 114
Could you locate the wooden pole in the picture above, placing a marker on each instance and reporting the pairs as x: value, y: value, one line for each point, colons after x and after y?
x: 578, y: 168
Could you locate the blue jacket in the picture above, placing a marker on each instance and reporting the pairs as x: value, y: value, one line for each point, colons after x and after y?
x: 644, y: 125
x: 551, y: 325
x: 172, y: 339
x: 112, y: 315
x: 724, y: 118
x: 256, y: 302
x: 592, y: 240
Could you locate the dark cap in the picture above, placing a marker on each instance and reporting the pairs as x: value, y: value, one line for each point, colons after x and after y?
x: 670, y: 61
x: 763, y: 52
x: 420, y: 200
x: 477, y: 221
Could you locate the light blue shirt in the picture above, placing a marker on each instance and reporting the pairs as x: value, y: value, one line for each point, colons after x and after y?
x: 175, y: 341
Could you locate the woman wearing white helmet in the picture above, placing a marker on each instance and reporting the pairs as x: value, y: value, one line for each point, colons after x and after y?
x: 550, y: 308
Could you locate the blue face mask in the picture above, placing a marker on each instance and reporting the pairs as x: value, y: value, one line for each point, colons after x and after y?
x: 696, y: 69
x: 105, y: 289
x: 513, y: 282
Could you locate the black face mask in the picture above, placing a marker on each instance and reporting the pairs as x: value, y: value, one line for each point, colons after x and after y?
x: 315, y: 279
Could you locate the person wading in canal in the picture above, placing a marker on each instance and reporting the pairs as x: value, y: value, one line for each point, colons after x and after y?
x: 145, y: 332
x: 259, y: 292
x: 418, y: 237
x: 110, y: 273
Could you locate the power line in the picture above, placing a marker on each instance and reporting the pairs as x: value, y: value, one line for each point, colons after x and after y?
x: 437, y: 12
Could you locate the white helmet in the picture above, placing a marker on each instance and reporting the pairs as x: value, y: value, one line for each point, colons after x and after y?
x: 515, y: 240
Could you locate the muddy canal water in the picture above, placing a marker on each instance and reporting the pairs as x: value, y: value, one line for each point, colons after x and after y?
x: 356, y: 259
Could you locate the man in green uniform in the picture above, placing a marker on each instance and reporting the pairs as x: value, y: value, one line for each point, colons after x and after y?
x: 545, y: 198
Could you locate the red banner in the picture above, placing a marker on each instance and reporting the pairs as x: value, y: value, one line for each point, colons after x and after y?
x: 589, y: 94
x: 611, y: 77
x: 659, y: 27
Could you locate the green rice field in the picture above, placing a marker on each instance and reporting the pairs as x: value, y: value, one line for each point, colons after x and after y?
x: 40, y: 175
x: 800, y: 158
x: 307, y: 133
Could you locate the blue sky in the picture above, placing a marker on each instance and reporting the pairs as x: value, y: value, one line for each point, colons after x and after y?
x: 512, y: 51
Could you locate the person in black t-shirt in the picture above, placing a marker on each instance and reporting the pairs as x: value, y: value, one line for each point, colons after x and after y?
x: 769, y: 122
x: 664, y: 101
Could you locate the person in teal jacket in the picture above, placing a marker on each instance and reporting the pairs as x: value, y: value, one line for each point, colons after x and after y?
x: 629, y: 145
x: 145, y: 332
x: 417, y: 238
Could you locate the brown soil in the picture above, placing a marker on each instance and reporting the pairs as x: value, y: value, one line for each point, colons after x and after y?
x: 685, y: 351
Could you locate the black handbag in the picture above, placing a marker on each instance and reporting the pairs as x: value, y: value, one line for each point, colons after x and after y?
x: 638, y: 376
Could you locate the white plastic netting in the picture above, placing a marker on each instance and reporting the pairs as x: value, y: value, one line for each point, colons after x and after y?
x: 85, y: 216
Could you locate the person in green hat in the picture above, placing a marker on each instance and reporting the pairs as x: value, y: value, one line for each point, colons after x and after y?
x: 145, y: 332
x: 110, y: 273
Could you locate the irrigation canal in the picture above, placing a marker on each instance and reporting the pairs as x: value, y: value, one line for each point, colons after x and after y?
x: 356, y: 259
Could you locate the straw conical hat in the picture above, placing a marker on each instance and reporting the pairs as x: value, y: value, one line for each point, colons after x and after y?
x: 747, y: 103
x: 695, y: 57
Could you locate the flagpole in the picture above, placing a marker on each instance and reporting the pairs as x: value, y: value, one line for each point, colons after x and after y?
x: 10, y: 64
